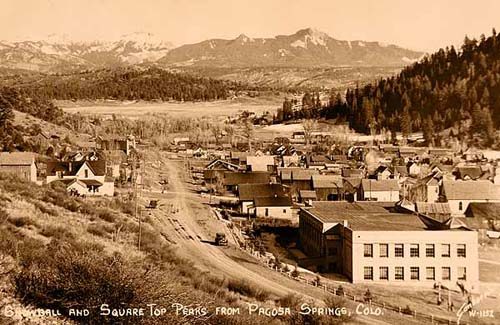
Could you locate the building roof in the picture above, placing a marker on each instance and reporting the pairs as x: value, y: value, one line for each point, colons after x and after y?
x: 483, y: 210
x: 307, y: 194
x: 364, y: 216
x: 16, y: 158
x: 91, y: 182
x: 327, y: 181
x: 221, y: 164
x: 237, y: 178
x: 351, y: 172
x: 247, y: 192
x: 471, y: 190
x: 279, y: 201
x: 373, y: 185
x: 473, y: 172
x: 433, y: 208
x: 70, y: 168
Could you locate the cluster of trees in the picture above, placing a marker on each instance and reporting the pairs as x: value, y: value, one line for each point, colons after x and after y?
x: 449, y: 93
x: 129, y: 84
x: 452, y: 90
x: 13, y: 137
x: 309, y: 107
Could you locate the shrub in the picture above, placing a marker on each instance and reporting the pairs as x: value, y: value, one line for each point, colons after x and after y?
x: 57, y: 232
x: 106, y: 215
x: 21, y: 221
x: 244, y: 288
x: 63, y: 276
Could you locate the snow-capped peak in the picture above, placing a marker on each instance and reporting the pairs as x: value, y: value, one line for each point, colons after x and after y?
x: 145, y: 41
x: 310, y: 35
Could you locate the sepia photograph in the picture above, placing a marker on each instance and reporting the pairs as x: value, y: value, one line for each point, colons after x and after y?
x: 234, y: 162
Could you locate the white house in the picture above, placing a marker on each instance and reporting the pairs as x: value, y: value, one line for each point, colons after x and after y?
x: 380, y: 190
x: 460, y: 194
x: 90, y: 173
x: 260, y: 163
x: 273, y: 207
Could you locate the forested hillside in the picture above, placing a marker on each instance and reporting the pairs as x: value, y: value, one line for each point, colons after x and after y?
x: 449, y: 89
x: 123, y: 84
x: 14, y: 137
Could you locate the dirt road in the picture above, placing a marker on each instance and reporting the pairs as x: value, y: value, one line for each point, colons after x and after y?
x: 191, y: 225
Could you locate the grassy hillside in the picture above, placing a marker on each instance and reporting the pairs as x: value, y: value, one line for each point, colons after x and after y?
x: 62, y: 252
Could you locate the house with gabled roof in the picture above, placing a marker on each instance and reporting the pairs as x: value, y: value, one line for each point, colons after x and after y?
x: 380, y: 190
x: 247, y: 193
x: 90, y: 173
x: 328, y: 187
x: 459, y: 194
x: 21, y: 164
x: 426, y: 189
x: 232, y: 180
x: 273, y: 207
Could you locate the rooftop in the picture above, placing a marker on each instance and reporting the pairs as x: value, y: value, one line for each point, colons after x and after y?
x: 280, y: 201
x: 247, y: 192
x: 327, y: 181
x: 471, y: 190
x: 16, y: 158
x: 235, y: 178
x: 364, y: 216
x: 380, y: 185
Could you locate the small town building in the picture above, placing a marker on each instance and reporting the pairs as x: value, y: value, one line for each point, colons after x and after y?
x: 21, y: 164
x: 380, y: 190
x: 368, y: 244
x: 459, y: 194
x: 273, y: 207
x: 90, y: 173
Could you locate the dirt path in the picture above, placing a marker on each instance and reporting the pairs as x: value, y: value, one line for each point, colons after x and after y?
x: 181, y: 220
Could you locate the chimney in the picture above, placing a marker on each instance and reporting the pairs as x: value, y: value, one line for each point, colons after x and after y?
x: 70, y: 167
x: 345, y: 224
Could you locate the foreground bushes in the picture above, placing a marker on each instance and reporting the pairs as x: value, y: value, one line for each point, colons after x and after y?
x: 63, y: 276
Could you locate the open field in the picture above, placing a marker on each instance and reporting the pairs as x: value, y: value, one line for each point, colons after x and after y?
x: 135, y: 109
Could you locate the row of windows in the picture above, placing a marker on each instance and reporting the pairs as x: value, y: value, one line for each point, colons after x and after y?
x: 399, y: 273
x: 430, y: 250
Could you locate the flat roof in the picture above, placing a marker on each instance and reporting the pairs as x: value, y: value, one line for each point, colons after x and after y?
x: 364, y: 216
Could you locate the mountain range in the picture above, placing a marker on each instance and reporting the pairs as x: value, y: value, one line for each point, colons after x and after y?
x: 60, y: 54
x: 306, y: 48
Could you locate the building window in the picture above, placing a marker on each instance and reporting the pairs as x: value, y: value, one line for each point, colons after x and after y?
x: 462, y: 273
x: 384, y: 250
x: 446, y: 273
x: 384, y: 273
x: 368, y: 273
x: 414, y: 273
x: 399, y: 273
x: 284, y: 211
x: 267, y: 212
x: 461, y: 250
x: 368, y: 250
x: 429, y: 250
x: 86, y: 173
x: 460, y: 206
x: 445, y: 250
x: 399, y: 250
x: 414, y: 250
x: 430, y: 273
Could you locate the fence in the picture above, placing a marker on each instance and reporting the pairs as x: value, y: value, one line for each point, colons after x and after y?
x: 343, y: 293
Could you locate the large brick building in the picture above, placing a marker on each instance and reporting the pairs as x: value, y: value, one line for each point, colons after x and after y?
x: 367, y: 243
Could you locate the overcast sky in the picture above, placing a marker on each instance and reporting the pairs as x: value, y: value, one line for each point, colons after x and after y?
x: 417, y: 24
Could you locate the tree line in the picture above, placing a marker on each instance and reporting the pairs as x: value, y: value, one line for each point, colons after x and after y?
x: 129, y: 84
x: 447, y: 94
